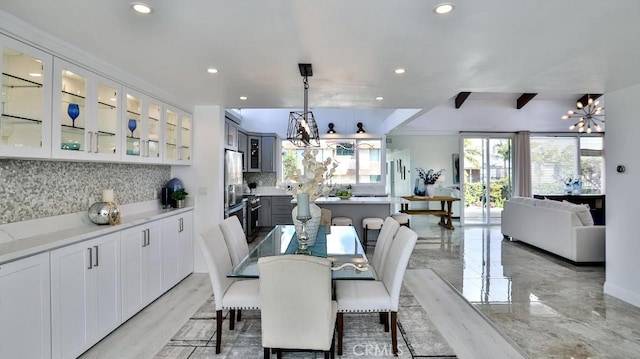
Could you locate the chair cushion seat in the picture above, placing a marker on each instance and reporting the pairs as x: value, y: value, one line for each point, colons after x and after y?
x: 402, y: 218
x: 372, y: 223
x: 242, y: 294
x: 362, y: 296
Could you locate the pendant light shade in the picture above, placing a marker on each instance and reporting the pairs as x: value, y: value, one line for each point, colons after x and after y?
x: 303, y: 129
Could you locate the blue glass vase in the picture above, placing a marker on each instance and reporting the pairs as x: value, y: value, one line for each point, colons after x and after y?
x: 73, y: 110
x: 420, y: 188
x: 576, y: 188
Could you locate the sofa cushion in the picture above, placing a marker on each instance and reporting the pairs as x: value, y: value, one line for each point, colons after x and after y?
x: 583, y: 213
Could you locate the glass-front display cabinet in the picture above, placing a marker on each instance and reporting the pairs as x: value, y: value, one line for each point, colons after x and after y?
x: 25, y: 101
x: 178, y: 137
x: 85, y: 114
x: 142, y: 123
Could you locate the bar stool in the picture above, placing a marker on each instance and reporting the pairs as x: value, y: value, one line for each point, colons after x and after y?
x: 370, y: 223
x: 402, y: 218
x: 341, y: 221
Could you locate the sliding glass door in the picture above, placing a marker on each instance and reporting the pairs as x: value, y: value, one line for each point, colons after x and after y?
x: 487, y: 169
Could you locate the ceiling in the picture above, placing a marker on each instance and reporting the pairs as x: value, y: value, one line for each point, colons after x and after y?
x: 496, y: 49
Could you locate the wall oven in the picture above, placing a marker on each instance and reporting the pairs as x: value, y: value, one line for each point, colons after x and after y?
x: 253, y: 217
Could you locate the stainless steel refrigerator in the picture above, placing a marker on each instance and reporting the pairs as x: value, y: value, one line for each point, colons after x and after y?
x: 232, y: 179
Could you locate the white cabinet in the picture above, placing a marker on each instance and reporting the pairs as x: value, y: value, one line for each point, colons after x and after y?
x: 141, y: 258
x: 143, y: 124
x: 177, y: 259
x: 25, y: 327
x: 25, y: 101
x: 178, y: 137
x: 86, y: 116
x: 85, y: 294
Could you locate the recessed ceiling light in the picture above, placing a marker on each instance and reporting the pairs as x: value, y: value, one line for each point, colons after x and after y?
x: 212, y: 70
x: 243, y: 98
x: 141, y: 8
x: 35, y: 74
x: 399, y: 71
x: 444, y: 8
x: 379, y: 98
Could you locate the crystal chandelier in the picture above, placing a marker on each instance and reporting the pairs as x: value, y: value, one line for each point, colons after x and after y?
x: 590, y: 116
x: 303, y: 129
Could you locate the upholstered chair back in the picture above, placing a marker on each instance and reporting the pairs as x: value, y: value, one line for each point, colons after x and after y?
x: 388, y: 231
x: 396, y: 263
x: 216, y: 257
x: 235, y: 239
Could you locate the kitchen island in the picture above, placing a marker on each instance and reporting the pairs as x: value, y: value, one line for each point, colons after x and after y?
x: 358, y: 208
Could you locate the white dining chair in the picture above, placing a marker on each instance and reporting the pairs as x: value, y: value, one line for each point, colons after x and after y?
x: 235, y: 238
x: 381, y: 295
x: 387, y: 232
x: 297, y: 312
x: 229, y: 294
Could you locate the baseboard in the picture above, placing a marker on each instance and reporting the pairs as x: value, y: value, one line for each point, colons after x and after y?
x: 622, y: 294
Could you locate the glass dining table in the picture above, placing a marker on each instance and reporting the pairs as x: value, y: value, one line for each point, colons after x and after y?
x: 343, y: 248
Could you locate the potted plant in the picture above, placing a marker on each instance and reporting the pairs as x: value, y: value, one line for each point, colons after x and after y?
x: 179, y: 196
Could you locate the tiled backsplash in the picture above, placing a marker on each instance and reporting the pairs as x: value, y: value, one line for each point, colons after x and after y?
x: 37, y: 189
x: 262, y: 178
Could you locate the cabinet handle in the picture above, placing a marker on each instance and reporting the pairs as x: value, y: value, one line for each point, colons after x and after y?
x: 97, y: 255
x: 148, y: 237
x: 181, y: 225
x: 90, y: 141
x: 144, y: 238
x: 97, y: 145
x: 90, y: 258
x: 146, y: 146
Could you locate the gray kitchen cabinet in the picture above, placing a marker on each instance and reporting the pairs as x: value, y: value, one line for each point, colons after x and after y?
x: 254, y: 153
x: 281, y: 208
x: 265, y: 211
x: 243, y: 142
x: 230, y: 135
x: 269, y: 154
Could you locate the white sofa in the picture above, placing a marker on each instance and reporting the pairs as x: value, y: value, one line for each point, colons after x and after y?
x: 562, y: 228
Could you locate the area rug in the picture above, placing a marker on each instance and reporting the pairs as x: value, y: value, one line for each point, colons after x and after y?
x: 364, y: 337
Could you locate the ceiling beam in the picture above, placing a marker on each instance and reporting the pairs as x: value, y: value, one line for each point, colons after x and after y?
x: 522, y: 100
x: 461, y: 97
x: 585, y: 99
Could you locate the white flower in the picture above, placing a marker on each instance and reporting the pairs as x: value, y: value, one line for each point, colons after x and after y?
x: 316, y: 176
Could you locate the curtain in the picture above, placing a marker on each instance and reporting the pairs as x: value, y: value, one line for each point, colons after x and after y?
x: 522, y: 165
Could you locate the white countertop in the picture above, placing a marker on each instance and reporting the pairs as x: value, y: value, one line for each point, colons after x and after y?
x: 26, y: 238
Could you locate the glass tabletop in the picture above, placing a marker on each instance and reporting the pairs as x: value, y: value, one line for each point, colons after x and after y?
x: 343, y: 249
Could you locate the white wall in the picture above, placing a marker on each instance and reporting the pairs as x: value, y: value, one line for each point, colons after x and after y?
x: 623, y: 198
x: 204, y: 179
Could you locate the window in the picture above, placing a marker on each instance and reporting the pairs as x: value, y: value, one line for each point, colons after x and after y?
x: 359, y: 161
x: 556, y: 158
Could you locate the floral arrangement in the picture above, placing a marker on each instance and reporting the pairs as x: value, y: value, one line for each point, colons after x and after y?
x: 430, y: 176
x: 570, y: 180
x: 316, y: 177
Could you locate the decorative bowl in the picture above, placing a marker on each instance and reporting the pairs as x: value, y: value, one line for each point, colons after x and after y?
x: 345, y: 197
x: 74, y: 146
x: 104, y: 213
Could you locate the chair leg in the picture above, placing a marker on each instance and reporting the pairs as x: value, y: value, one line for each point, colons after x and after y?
x: 218, y: 330
x: 394, y: 333
x: 366, y: 230
x: 267, y: 353
x: 340, y: 320
x: 232, y: 319
x: 385, y: 316
x: 239, y: 315
x: 279, y: 354
x: 333, y: 346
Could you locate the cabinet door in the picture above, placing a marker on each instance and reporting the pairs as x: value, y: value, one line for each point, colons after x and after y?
x: 107, y: 296
x: 25, y: 322
x: 105, y: 127
x: 70, y: 300
x: 185, y: 245
x: 178, y: 137
x: 242, y: 148
x: 134, y: 124
x: 186, y: 139
x: 265, y: 211
x: 153, y: 262
x: 25, y: 104
x: 255, y: 155
x: 133, y: 243
x: 231, y: 135
x: 268, y: 154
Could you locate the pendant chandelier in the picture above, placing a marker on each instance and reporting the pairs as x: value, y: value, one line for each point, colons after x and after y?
x: 590, y: 116
x: 303, y: 129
